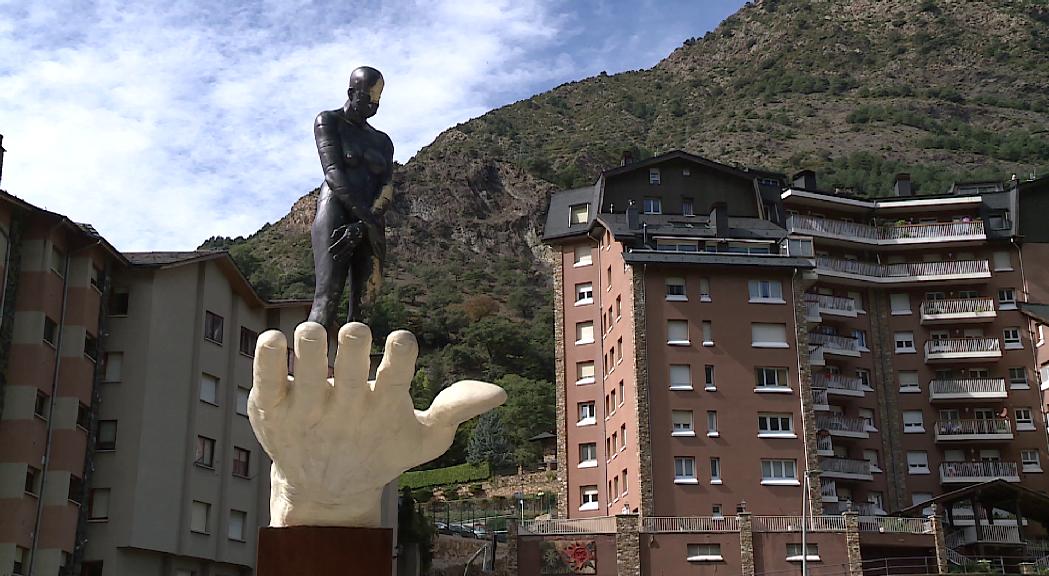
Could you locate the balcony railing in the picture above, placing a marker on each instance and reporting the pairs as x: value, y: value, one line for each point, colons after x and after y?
x: 957, y: 310
x: 828, y: 491
x: 962, y: 349
x: 988, y: 533
x: 952, y: 472
x: 974, y: 429
x: 696, y: 524
x: 967, y: 389
x: 839, y: 425
x: 894, y: 525
x: 601, y: 525
x: 819, y: 399
x: 793, y: 523
x: 833, y: 305
x: 816, y: 356
x: 887, y: 234
x: 838, y: 384
x: 834, y: 344
x: 904, y: 272
x: 846, y: 468
x: 824, y: 445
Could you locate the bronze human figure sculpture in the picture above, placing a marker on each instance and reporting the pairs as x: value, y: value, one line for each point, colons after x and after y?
x: 349, y: 236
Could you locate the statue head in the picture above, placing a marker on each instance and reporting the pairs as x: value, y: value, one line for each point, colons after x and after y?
x: 363, y: 94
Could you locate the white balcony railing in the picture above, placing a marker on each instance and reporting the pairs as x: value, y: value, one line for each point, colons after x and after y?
x: 895, y: 525
x: 903, y: 272
x: 962, y: 348
x: 824, y: 445
x: 845, y: 467
x: 600, y: 525
x: 695, y: 524
x: 991, y: 533
x: 967, y: 389
x: 887, y: 234
x: 832, y: 305
x: 793, y: 523
x: 973, y: 429
x: 839, y: 425
x: 957, y: 309
x: 828, y: 490
x: 839, y: 384
x: 816, y: 356
x: 978, y: 471
x: 834, y: 344
x: 819, y: 399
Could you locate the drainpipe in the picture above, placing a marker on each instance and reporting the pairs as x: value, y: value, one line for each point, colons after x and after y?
x: 51, y: 404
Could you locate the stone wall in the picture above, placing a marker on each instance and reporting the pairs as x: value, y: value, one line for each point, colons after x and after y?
x: 528, y: 483
x: 644, y: 427
x: 560, y: 381
x: 800, y: 285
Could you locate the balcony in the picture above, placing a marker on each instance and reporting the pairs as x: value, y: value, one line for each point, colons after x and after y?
x: 993, y: 429
x: 967, y: 389
x: 834, y: 344
x: 974, y: 472
x: 832, y: 305
x: 824, y: 446
x: 958, y: 310
x: 903, y: 273
x: 812, y: 311
x: 845, y: 469
x: 843, y: 426
x: 887, y: 235
x: 962, y: 349
x: 828, y: 491
x: 839, y: 385
x: 819, y: 400
x: 991, y: 534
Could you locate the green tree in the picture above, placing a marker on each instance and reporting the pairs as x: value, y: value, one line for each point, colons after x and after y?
x: 489, y: 443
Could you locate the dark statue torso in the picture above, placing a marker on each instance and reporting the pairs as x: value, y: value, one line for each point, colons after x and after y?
x: 363, y: 156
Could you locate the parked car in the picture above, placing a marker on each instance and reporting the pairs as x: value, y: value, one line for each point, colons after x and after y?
x: 442, y: 528
x: 462, y: 531
x: 500, y: 535
x: 481, y: 533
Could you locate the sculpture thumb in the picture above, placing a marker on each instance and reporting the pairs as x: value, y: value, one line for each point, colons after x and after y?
x: 462, y: 401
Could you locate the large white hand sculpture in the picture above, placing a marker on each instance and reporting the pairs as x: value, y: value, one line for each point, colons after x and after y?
x: 335, y: 442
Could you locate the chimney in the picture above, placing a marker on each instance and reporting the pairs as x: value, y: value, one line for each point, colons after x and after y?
x: 806, y: 180
x: 633, y: 218
x: 719, y: 219
x: 628, y: 157
x: 902, y: 185
x: 2, y: 158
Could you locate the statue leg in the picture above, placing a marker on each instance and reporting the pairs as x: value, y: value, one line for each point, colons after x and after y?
x: 331, y: 275
x: 361, y: 265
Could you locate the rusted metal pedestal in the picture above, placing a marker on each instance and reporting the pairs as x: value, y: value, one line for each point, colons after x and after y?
x: 324, y: 551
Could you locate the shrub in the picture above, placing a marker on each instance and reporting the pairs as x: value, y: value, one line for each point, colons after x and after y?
x: 451, y: 475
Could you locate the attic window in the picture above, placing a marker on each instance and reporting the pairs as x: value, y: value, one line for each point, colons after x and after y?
x: 687, y: 208
x: 999, y: 221
x: 653, y: 175
x: 686, y: 172
x: 580, y: 214
x: 653, y: 206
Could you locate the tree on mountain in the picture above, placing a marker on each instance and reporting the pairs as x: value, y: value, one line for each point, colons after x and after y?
x: 489, y: 443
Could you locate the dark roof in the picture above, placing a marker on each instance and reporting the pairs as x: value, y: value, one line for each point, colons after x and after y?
x: 557, y: 214
x: 168, y: 258
x: 693, y: 227
x: 86, y: 229
x: 715, y: 259
x: 680, y: 154
x: 541, y: 436
x: 997, y: 493
x: 1039, y: 312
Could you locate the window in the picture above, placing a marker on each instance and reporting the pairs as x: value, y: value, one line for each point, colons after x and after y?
x: 768, y: 335
x: 812, y: 553
x: 771, y: 379
x: 50, y: 331
x: 579, y: 214
x: 21, y: 560
x: 106, y: 439
x: 912, y: 422
x: 775, y: 426
x: 114, y: 362
x: 584, y: 294
x: 1018, y: 378
x: 765, y: 291
x: 237, y: 520
x: 1002, y: 262
x: 209, y: 387
x: 904, y: 342
x: 584, y: 332
x: 653, y: 176
x: 685, y: 470
x: 1012, y: 338
x: 872, y: 457
x: 41, y: 404
x: 779, y: 472
x: 868, y: 419
x: 90, y: 346
x: 677, y: 332
x: 687, y: 207
x: 199, y: 517
x: 900, y: 304
x: 119, y: 301
x: 205, y: 453
x: 918, y: 462
x: 584, y: 373
x: 857, y: 299
x: 622, y: 392
x: 98, y: 504
x: 91, y: 568
x: 1007, y: 299
x: 32, y: 480
x: 76, y: 489
x: 58, y: 260
x: 248, y: 338
x: 622, y: 436
x: 708, y: 333
x: 715, y: 470
x: 682, y: 420
x: 242, y: 400
x: 704, y: 289
x: 717, y: 511
x: 704, y: 553
x: 588, y: 455
x: 921, y: 498
x: 587, y: 414
x: 680, y: 377
x: 864, y: 376
x: 800, y: 247
x: 213, y: 327
x: 619, y: 307
x: 708, y: 375
x: 583, y: 256
x: 908, y: 381
x: 98, y: 278
x: 712, y: 424
x: 625, y: 489
x: 83, y: 415
x: 676, y: 289
x: 1030, y: 461
x: 1024, y: 420
x: 588, y: 498
x: 241, y: 462
x: 653, y: 205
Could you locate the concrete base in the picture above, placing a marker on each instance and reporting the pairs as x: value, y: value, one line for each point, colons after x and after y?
x: 324, y: 551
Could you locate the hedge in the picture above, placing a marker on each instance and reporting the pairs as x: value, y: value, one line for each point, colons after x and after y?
x: 460, y: 474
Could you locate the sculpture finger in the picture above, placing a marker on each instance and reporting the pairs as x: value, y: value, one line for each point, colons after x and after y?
x: 311, y: 366
x: 462, y: 401
x: 353, y: 359
x: 270, y: 380
x: 398, y: 361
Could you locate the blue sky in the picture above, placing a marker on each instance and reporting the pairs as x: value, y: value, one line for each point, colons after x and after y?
x: 166, y: 122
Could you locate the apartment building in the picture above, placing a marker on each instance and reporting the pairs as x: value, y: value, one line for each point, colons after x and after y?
x: 124, y: 442
x: 729, y: 342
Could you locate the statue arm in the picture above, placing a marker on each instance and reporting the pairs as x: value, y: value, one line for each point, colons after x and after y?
x: 385, y: 197
x: 329, y: 147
